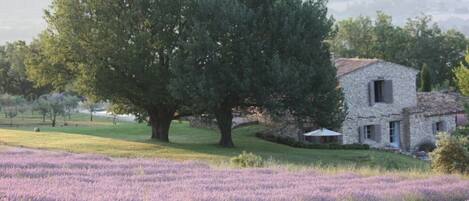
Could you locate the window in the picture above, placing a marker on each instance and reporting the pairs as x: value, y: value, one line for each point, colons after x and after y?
x: 379, y: 91
x: 369, y: 132
x: 394, y: 132
x: 439, y: 127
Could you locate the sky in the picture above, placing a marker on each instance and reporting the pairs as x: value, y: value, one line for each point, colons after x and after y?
x: 22, y: 19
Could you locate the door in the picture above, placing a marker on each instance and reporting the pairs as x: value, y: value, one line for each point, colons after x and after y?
x: 395, y: 133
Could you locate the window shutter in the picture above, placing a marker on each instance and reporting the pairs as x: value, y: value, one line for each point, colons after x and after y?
x: 361, y: 134
x: 388, y: 91
x: 377, y: 133
x: 371, y: 93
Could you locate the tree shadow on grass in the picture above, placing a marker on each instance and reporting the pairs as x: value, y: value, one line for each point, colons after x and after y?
x: 186, y: 141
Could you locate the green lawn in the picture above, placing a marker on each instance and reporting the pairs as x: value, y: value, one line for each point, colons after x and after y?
x: 132, y: 140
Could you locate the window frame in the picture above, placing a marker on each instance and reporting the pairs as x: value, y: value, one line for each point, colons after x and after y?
x: 392, y: 131
x: 439, y: 126
x: 379, y: 91
x: 369, y: 129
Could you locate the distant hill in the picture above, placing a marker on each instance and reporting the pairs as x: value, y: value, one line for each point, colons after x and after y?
x: 447, y: 13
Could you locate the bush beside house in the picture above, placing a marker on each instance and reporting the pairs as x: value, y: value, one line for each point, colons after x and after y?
x: 451, y: 155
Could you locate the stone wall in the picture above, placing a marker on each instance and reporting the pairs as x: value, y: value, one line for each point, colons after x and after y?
x: 360, y: 113
x: 351, y: 132
x: 421, y: 128
x: 355, y: 87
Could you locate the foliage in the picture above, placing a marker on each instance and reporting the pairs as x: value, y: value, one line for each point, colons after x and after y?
x: 451, y: 155
x: 70, y: 104
x: 12, y: 105
x: 247, y: 160
x: 462, y: 76
x: 42, y: 106
x: 46, y: 63
x: 258, y: 53
x: 13, y: 78
x: 295, y: 143
x: 55, y: 104
x: 461, y: 132
x: 123, y: 109
x: 117, y: 51
x: 419, y: 42
x: 91, y: 105
x: 425, y: 79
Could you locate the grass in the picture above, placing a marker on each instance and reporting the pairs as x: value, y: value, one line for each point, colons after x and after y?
x: 132, y: 140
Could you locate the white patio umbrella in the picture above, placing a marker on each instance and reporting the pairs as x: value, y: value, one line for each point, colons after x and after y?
x: 322, y: 133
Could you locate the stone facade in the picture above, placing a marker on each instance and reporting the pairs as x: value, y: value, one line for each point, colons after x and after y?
x: 422, y: 131
x: 355, y: 86
x: 394, y: 116
x: 403, y: 118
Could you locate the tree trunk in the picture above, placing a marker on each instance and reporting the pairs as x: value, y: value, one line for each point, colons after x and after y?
x: 154, y: 126
x: 160, y: 121
x: 53, y: 119
x: 43, y: 118
x: 91, y: 116
x: 224, y: 116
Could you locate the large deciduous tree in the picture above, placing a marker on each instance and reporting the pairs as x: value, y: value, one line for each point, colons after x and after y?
x: 120, y: 51
x: 269, y: 54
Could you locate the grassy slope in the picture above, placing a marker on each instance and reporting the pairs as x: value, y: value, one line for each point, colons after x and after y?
x: 132, y: 140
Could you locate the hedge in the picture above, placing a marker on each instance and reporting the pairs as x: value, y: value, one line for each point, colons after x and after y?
x: 294, y: 143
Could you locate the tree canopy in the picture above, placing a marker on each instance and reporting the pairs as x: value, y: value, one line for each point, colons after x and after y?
x: 154, y: 58
x: 462, y: 76
x: 13, y: 77
x: 425, y: 79
x: 119, y: 51
x: 419, y: 42
x: 270, y: 54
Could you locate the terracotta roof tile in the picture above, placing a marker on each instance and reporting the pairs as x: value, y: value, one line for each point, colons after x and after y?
x: 437, y: 103
x: 345, y: 65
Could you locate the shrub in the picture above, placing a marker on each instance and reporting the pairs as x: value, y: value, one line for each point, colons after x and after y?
x: 451, y: 155
x: 294, y: 143
x: 247, y: 160
x: 462, y: 131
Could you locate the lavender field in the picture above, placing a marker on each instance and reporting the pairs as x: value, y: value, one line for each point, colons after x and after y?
x: 39, y: 175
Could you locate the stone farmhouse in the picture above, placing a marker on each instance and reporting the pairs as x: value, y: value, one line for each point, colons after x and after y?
x: 385, y: 109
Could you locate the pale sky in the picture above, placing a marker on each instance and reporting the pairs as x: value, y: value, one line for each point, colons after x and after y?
x: 22, y: 19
